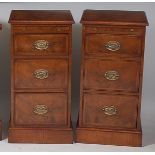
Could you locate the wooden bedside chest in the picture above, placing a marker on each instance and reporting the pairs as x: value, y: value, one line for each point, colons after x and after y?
x: 41, y: 76
x: 0, y: 120
x: 111, y: 77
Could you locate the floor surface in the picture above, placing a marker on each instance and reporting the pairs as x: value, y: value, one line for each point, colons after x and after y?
x: 5, y: 146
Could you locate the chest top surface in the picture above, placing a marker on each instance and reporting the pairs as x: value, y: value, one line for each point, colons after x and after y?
x: 41, y: 17
x: 114, y: 17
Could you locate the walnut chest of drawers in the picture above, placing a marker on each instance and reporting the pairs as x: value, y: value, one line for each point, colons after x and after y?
x: 41, y: 76
x: 0, y: 120
x: 111, y: 77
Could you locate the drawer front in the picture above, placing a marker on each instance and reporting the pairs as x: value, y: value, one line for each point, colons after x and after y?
x: 42, y: 29
x: 49, y: 73
x: 115, y: 30
x: 40, y: 109
x: 109, y: 110
x: 111, y: 75
x: 41, y: 44
x: 120, y: 45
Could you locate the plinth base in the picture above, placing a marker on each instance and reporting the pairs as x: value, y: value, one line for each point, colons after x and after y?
x: 40, y: 135
x: 109, y: 137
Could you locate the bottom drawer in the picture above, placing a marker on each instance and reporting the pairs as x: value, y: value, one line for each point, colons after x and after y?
x: 40, y: 109
x: 117, y: 111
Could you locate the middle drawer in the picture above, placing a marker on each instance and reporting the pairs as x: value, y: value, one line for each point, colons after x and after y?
x: 45, y: 74
x: 111, y: 75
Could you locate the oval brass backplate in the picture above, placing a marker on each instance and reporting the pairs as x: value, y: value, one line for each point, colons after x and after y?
x: 41, y: 44
x: 111, y: 75
x: 41, y: 74
x: 110, y: 110
x: 40, y: 109
x: 113, y: 46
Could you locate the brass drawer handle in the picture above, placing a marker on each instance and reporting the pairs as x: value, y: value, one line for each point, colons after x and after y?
x: 113, y: 46
x: 112, y: 75
x: 131, y: 30
x: 41, y: 44
x: 112, y: 110
x: 41, y: 74
x: 40, y: 109
x: 58, y: 29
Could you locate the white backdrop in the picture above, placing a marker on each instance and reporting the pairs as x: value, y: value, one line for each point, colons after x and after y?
x: 148, y: 98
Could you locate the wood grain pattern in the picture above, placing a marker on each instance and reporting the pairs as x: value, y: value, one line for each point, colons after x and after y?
x: 25, y: 44
x: 40, y: 135
x: 124, y: 93
x: 94, y: 75
x: 93, y: 114
x: 41, y: 29
x: 109, y: 137
x: 41, y: 17
x: 113, y: 29
x: 114, y: 17
x: 30, y: 93
x: 129, y: 45
x: 25, y: 104
x: 57, y: 74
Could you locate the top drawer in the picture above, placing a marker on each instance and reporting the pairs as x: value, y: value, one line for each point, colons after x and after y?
x: 115, y: 30
x: 41, y: 44
x: 41, y: 29
x: 113, y: 45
